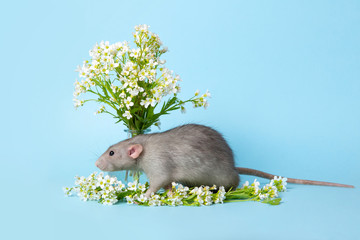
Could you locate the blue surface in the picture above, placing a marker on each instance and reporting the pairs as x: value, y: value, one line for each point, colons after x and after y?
x: 285, y: 81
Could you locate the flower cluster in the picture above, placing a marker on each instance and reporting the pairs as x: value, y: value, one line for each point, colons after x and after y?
x: 279, y: 182
x: 108, y: 190
x: 97, y: 187
x: 267, y: 192
x: 132, y: 81
x: 180, y: 195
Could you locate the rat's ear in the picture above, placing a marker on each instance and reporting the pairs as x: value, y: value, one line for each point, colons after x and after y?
x: 134, y: 151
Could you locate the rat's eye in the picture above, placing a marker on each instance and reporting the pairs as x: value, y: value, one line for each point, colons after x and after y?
x: 111, y: 153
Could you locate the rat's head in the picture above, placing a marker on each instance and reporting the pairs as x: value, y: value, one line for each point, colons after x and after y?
x: 121, y: 156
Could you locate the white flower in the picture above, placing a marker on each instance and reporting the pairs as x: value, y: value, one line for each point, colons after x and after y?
x: 195, y: 190
x: 256, y: 183
x: 152, y: 73
x: 78, y: 103
x: 213, y: 187
x: 102, y: 109
x: 142, y: 198
x: 200, y: 200
x: 83, y: 71
x: 110, y: 180
x: 147, y: 102
x: 119, y: 186
x: 101, y: 182
x: 205, y: 104
x: 128, y: 102
x: 78, y: 68
x: 152, y: 63
x: 93, y: 185
x: 129, y: 199
x: 164, y: 50
x: 105, y: 45
x: 110, y: 201
x: 127, y: 114
x: 263, y: 196
x: 80, y: 180
x: 246, y: 184
x: 125, y: 48
x: 105, y: 71
x: 108, y: 189
x: 142, y: 28
x: 155, y: 200
x: 132, y: 185
x: 151, y: 101
x: 142, y: 187
x: 134, y: 92
x: 143, y: 73
x: 113, y: 88
x: 207, y: 94
x: 113, y: 64
x: 67, y: 191
x: 122, y: 94
x: 280, y: 183
x: 208, y: 200
x: 135, y: 53
x: 104, y: 194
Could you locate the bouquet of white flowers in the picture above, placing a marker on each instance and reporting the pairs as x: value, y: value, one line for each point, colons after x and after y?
x: 131, y: 83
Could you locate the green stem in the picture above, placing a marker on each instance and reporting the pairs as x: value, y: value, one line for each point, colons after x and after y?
x: 102, y: 99
x: 242, y: 200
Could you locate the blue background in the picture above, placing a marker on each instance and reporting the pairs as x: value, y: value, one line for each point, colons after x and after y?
x: 284, y: 76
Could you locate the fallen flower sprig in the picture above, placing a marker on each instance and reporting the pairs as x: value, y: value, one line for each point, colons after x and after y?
x: 108, y: 190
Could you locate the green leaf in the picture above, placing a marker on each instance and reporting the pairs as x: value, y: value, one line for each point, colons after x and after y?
x: 150, y: 112
x: 122, y: 195
x: 238, y: 196
x: 275, y: 201
x: 138, y: 117
x: 191, y: 197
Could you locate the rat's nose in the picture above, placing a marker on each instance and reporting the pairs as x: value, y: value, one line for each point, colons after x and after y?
x: 97, y: 163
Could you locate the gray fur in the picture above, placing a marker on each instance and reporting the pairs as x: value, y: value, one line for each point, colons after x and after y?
x: 191, y: 154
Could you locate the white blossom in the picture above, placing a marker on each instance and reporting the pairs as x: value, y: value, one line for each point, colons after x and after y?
x: 128, y: 103
x: 142, y: 198
x: 122, y: 94
x: 127, y: 114
x: 129, y: 199
x: 132, y: 186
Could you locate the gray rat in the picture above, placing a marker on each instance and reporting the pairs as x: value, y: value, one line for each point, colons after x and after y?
x: 190, y: 154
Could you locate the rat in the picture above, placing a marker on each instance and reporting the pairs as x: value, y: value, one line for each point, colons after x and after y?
x: 191, y: 154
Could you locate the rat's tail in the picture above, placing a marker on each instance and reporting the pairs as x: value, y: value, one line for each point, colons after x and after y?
x: 253, y: 172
